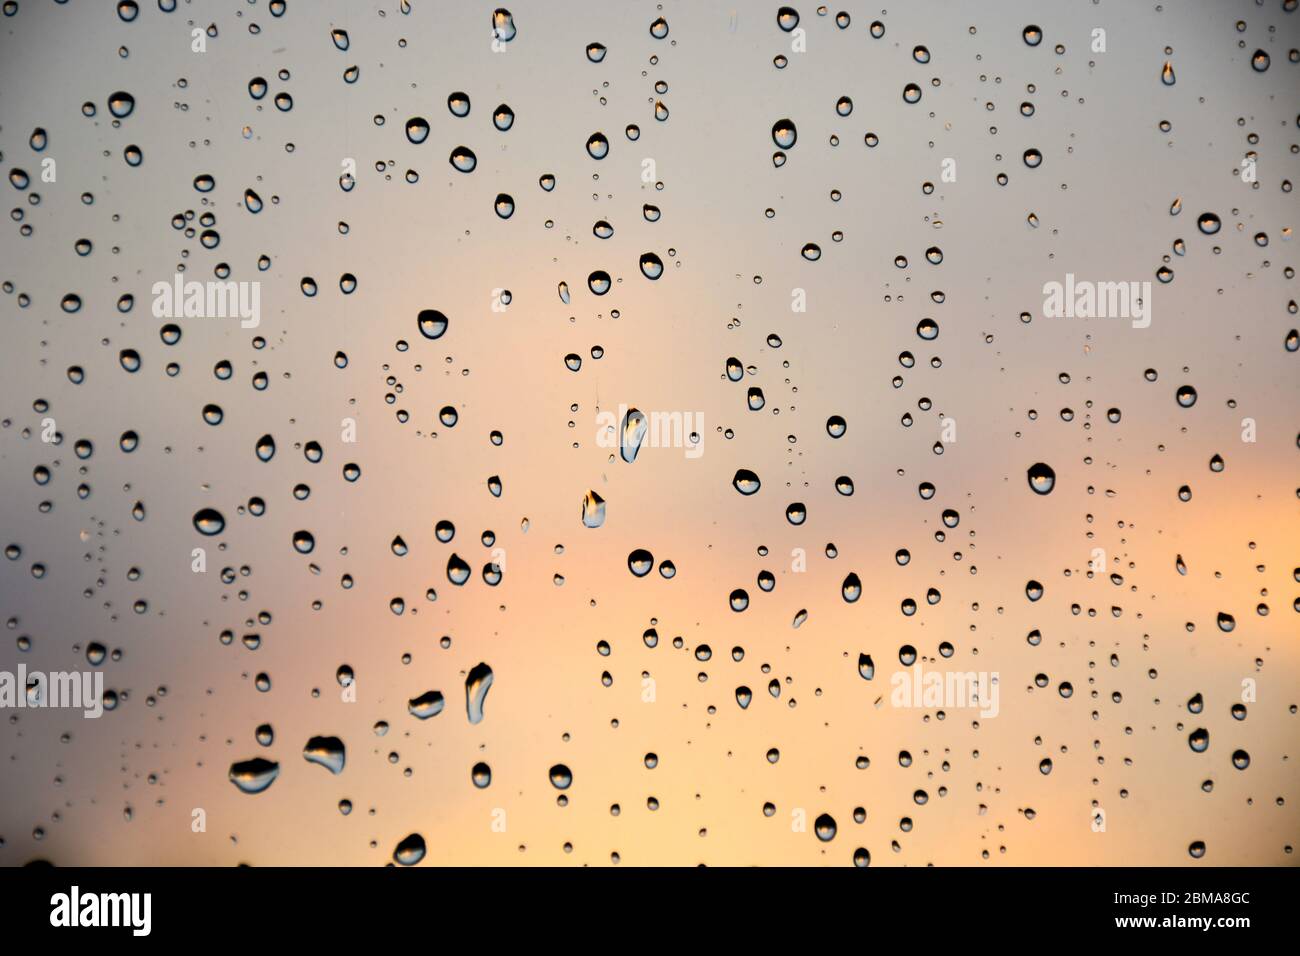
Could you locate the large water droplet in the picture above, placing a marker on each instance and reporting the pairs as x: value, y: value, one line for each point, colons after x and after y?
x: 209, y: 521
x: 593, y: 510
x: 503, y: 25
x: 561, y: 777
x: 254, y: 776
x: 417, y: 129
x: 327, y: 752
x: 477, y: 685
x: 432, y: 323
x: 463, y: 158
x: 597, y: 146
x: 631, y: 435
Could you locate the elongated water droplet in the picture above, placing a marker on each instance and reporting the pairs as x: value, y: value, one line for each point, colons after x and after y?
x: 328, y: 752
x: 457, y: 570
x: 631, y: 435
x: 254, y: 776
x: 503, y: 25
x: 209, y: 521
x: 593, y: 510
x: 429, y: 704
x: 477, y: 685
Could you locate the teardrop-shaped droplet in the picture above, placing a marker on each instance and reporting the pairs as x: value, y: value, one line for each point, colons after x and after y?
x: 432, y: 323
x: 429, y: 704
x: 631, y: 434
x: 824, y: 827
x: 593, y: 510
x: 866, y: 667
x: 457, y: 570
x: 209, y: 521
x: 410, y: 851
x: 745, y: 481
x: 458, y: 104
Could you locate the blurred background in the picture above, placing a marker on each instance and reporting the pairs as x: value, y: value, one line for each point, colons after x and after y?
x: 1038, y: 147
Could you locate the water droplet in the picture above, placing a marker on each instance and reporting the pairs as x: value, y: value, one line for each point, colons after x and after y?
x: 417, y: 129
x: 632, y: 434
x: 503, y: 25
x: 458, y: 104
x: 477, y: 685
x: 824, y: 827
x: 1042, y: 478
x: 866, y: 667
x: 429, y: 704
x: 121, y: 104
x: 410, y: 850
x: 463, y: 159
x: 432, y: 323
x: 597, y: 146
x: 254, y: 776
x: 640, y: 562
x: 327, y: 752
x: 457, y: 570
x: 745, y: 481
x: 593, y: 510
x: 784, y: 133
x: 209, y: 521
